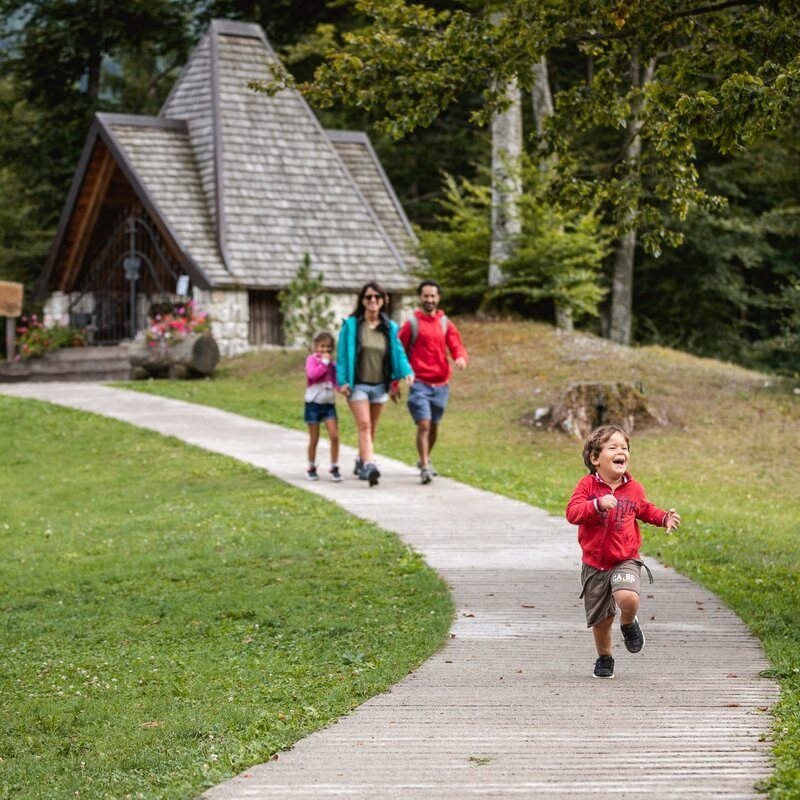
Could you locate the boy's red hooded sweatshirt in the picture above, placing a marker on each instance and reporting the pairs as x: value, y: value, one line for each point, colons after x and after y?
x: 608, y: 537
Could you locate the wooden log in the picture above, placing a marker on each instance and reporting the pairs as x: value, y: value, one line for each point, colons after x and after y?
x: 195, y: 355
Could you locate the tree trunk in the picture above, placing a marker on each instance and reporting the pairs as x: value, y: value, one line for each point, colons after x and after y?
x: 542, y: 97
x: 622, y: 280
x: 543, y: 108
x: 95, y: 60
x: 506, y: 183
x: 586, y: 404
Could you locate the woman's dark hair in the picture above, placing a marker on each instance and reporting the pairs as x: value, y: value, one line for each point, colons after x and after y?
x: 358, y: 311
x: 597, y: 439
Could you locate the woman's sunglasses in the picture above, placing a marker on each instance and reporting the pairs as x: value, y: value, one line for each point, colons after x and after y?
x: 373, y: 297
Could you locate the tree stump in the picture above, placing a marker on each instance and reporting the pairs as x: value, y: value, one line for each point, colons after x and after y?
x: 195, y: 356
x: 585, y: 405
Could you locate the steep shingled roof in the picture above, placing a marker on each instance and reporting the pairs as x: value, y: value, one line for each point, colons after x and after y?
x: 277, y: 188
x: 364, y: 165
x: 246, y: 184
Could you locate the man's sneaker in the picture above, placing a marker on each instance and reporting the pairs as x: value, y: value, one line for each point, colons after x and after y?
x: 604, y: 667
x: 359, y: 467
x: 371, y: 473
x: 311, y: 474
x: 430, y: 467
x: 426, y: 474
x: 633, y: 636
x: 335, y: 475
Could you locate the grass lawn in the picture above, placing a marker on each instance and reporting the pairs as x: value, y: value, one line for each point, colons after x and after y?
x: 171, y: 616
x: 726, y: 461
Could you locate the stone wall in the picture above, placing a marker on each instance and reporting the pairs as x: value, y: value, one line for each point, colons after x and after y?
x: 230, y: 318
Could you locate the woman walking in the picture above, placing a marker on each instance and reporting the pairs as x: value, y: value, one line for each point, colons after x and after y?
x: 370, y: 357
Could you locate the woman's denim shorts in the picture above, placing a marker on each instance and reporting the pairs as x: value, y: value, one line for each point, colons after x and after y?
x: 374, y: 392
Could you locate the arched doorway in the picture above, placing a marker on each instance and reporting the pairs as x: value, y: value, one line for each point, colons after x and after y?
x: 133, y: 270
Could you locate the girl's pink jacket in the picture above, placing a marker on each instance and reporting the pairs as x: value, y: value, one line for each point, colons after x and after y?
x: 609, y: 537
x: 317, y: 372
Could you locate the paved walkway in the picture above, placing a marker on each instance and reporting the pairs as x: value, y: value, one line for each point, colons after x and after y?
x: 508, y: 708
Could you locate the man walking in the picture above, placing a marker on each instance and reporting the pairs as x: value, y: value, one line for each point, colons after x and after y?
x: 427, y: 338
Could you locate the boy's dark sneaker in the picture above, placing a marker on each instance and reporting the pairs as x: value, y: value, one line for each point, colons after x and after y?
x: 335, y: 474
x: 359, y: 467
x: 370, y: 473
x: 604, y: 667
x: 633, y: 636
x: 311, y: 474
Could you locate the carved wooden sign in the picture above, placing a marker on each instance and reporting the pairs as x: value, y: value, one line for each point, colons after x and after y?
x: 10, y: 299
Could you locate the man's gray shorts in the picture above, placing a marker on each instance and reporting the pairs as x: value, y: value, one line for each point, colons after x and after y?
x: 599, y: 587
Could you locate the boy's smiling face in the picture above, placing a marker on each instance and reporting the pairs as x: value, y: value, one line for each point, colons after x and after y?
x: 612, y: 461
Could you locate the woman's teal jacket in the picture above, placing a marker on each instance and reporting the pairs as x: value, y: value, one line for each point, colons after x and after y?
x: 395, y: 364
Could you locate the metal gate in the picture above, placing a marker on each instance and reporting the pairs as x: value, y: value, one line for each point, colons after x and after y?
x: 132, y: 271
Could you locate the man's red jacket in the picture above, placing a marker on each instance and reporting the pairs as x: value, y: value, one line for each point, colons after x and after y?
x: 428, y: 356
x: 608, y: 537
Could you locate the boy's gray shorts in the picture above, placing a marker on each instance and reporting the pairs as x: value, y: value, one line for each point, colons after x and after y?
x: 599, y: 587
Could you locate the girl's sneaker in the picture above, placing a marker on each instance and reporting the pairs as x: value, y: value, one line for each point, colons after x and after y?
x: 335, y: 474
x: 311, y: 474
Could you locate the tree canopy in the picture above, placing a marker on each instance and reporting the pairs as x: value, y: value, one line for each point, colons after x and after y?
x: 716, y: 118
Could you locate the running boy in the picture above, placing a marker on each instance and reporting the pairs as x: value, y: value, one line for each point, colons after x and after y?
x: 320, y: 403
x: 605, y: 506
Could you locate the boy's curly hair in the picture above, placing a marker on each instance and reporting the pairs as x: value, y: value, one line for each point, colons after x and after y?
x: 595, y: 441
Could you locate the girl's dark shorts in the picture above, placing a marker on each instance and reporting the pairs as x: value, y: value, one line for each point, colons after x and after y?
x: 319, y: 412
x: 599, y: 587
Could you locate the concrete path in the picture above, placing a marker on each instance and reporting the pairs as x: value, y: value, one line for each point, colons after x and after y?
x: 508, y: 708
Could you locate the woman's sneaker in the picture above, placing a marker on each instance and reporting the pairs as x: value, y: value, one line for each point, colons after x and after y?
x: 371, y: 473
x: 335, y: 475
x: 633, y: 635
x: 604, y: 667
x: 430, y: 467
x: 311, y: 474
x: 426, y: 475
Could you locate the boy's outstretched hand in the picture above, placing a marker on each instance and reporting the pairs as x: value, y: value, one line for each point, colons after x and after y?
x: 673, y: 520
